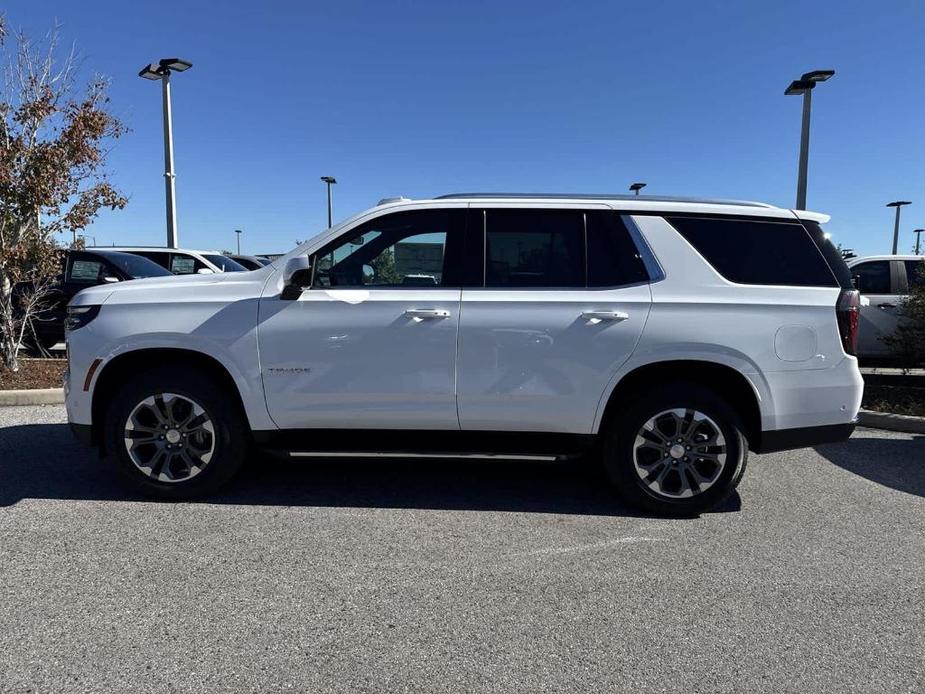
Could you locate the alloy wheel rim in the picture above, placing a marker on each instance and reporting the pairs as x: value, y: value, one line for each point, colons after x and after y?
x: 679, y: 453
x: 169, y: 437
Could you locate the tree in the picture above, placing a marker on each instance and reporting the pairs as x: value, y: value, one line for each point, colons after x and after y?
x: 907, y: 343
x: 54, y: 138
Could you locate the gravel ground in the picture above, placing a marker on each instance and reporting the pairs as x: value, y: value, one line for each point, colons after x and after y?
x: 443, y: 576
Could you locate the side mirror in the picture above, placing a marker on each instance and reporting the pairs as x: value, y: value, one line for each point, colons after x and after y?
x: 109, y: 279
x: 205, y: 271
x: 297, y: 276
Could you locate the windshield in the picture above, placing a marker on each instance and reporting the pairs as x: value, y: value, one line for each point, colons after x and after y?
x: 224, y: 263
x: 135, y: 266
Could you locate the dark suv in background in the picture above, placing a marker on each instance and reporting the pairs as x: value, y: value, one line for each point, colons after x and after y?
x: 79, y: 270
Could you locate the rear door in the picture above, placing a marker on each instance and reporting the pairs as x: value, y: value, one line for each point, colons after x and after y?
x: 878, y: 281
x: 560, y: 301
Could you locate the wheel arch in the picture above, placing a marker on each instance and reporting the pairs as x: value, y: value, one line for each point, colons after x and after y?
x: 116, y: 370
x: 728, y: 382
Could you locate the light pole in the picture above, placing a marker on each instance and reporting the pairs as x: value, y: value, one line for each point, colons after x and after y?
x: 918, y: 238
x: 898, y: 205
x: 805, y: 86
x: 636, y: 187
x: 161, y: 71
x: 238, y: 233
x: 330, y: 180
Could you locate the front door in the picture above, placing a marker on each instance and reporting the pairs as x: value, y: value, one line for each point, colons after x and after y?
x: 562, y: 305
x: 372, y: 344
x: 875, y: 280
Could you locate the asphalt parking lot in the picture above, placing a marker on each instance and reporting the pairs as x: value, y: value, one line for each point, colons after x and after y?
x: 445, y: 576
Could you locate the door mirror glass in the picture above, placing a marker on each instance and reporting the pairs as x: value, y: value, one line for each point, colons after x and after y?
x: 205, y: 271
x: 109, y: 279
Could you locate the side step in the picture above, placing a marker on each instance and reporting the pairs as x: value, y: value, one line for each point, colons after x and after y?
x: 418, y: 454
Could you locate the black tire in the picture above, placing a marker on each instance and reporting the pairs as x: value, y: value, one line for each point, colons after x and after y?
x: 230, y: 436
x: 619, y: 447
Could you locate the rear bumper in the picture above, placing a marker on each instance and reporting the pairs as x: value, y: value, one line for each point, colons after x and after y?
x: 787, y: 439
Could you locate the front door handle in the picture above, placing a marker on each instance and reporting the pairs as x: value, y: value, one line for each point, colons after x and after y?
x: 616, y: 316
x: 423, y: 313
x: 886, y: 305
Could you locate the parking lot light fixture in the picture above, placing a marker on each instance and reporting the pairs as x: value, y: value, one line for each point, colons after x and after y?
x: 636, y: 187
x: 330, y: 180
x: 918, y: 239
x: 161, y: 70
x: 238, y: 233
x: 804, y: 87
x: 898, y: 204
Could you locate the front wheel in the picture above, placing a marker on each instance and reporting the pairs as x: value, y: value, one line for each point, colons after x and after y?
x: 677, y: 451
x: 174, y: 434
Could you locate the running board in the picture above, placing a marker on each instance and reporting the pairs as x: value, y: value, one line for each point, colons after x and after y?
x: 402, y: 454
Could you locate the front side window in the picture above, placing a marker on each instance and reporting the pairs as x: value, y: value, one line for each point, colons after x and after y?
x: 162, y: 258
x: 224, y: 263
x: 534, y: 248
x: 405, y: 249
x: 872, y: 277
x: 185, y: 264
x: 749, y: 251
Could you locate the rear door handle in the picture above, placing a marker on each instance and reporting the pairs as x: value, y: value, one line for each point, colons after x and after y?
x: 424, y: 313
x: 616, y: 316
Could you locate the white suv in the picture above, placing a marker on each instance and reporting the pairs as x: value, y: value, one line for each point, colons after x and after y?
x: 667, y: 337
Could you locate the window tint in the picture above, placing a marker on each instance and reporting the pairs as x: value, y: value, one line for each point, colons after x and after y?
x: 872, y: 277
x: 405, y: 249
x: 534, y: 248
x: 159, y: 257
x: 757, y: 252
x: 225, y: 263
x: 85, y: 271
x: 831, y: 254
x: 613, y: 258
x: 915, y: 273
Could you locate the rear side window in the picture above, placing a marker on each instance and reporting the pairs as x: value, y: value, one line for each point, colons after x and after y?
x: 613, y: 259
x: 915, y: 273
x: 534, y: 248
x: 749, y: 251
x: 872, y: 277
x: 84, y: 271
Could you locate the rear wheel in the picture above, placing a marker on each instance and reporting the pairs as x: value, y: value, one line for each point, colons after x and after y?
x: 174, y: 434
x: 679, y: 450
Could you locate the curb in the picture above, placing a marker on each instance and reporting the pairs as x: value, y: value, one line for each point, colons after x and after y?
x: 891, y: 422
x: 36, y: 396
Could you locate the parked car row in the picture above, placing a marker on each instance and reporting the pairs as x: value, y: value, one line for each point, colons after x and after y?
x: 94, y: 266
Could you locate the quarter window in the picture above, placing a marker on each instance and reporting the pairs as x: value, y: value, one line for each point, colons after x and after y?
x: 757, y: 252
x: 872, y: 277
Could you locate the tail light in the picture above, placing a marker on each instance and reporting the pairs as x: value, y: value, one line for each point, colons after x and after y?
x: 848, y: 310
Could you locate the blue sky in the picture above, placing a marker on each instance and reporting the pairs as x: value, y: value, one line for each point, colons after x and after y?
x: 420, y: 99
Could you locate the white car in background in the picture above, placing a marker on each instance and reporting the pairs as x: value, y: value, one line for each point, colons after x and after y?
x: 667, y: 337
x: 884, y: 281
x: 182, y: 261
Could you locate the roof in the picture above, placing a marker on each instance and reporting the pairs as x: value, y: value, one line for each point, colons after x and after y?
x: 152, y: 248
x: 858, y: 259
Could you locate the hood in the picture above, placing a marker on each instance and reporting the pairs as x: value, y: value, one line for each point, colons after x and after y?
x: 172, y: 284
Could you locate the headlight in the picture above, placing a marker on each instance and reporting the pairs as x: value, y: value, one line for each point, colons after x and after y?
x: 79, y: 316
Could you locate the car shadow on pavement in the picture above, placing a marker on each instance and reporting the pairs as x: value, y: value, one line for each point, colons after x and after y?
x: 896, y: 463
x: 43, y: 461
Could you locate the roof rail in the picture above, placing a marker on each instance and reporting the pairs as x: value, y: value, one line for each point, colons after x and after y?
x: 606, y: 196
x: 397, y: 198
